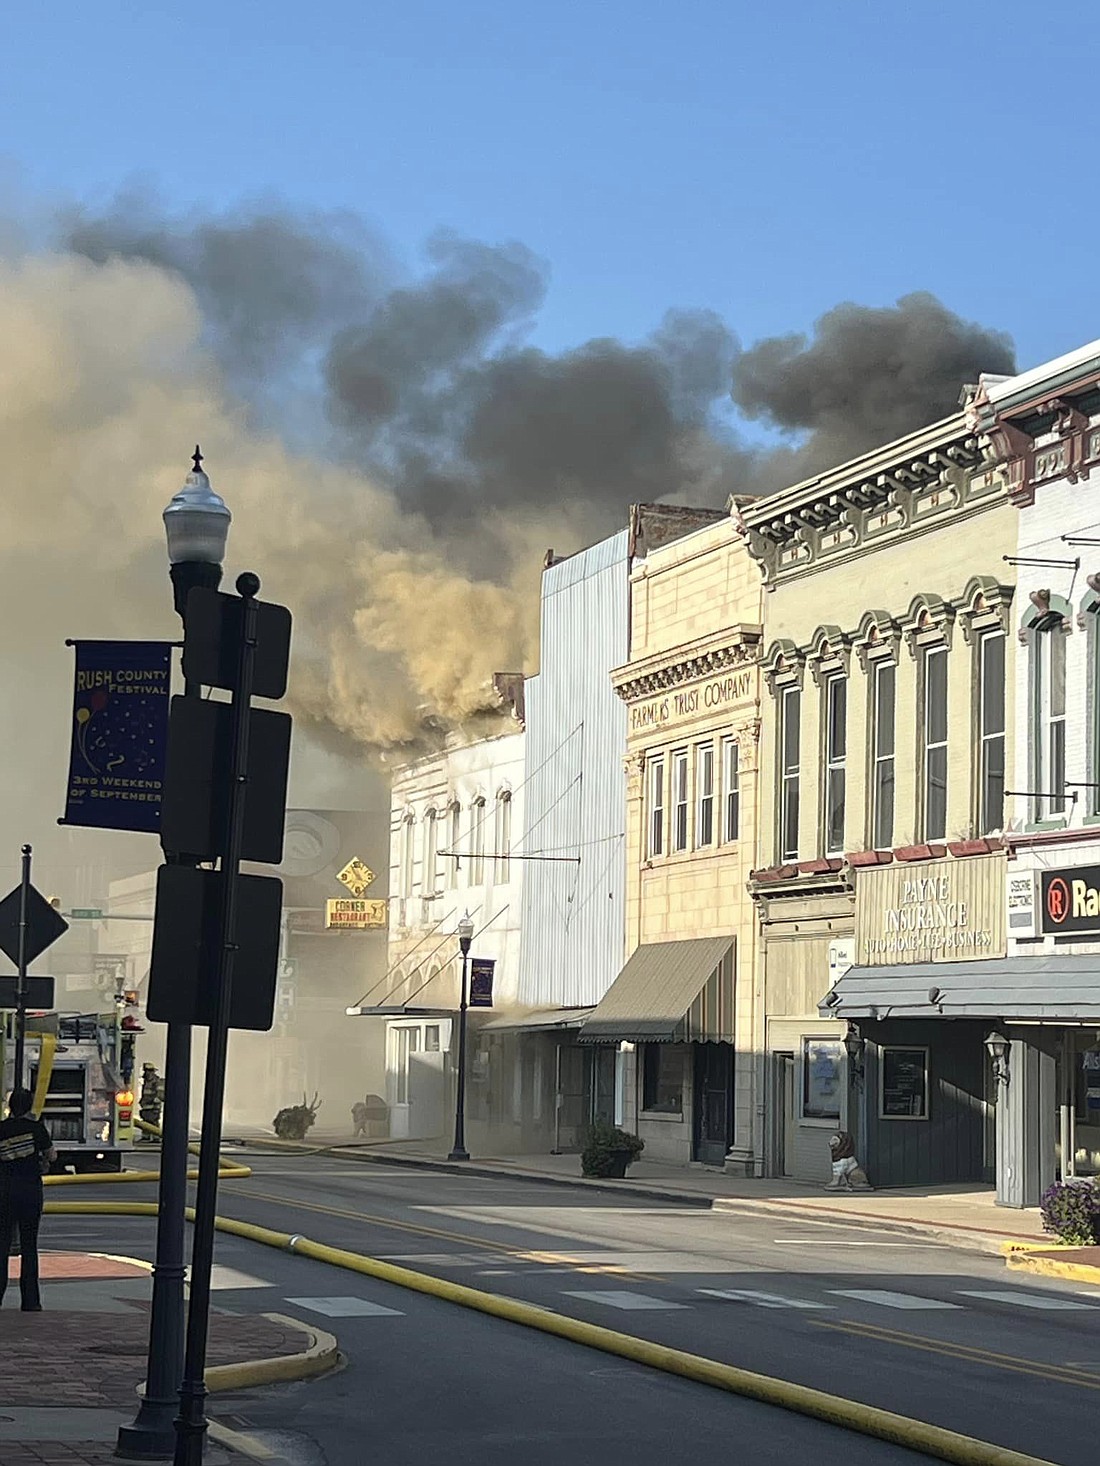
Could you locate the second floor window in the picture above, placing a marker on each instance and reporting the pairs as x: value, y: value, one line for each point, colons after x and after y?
x: 655, y: 775
x: 408, y: 835
x: 454, y: 834
x: 680, y: 800
x: 504, y: 838
x: 1048, y: 683
x: 704, y: 794
x: 836, y: 752
x: 431, y: 845
x: 884, y: 687
x: 790, y: 720
x: 477, y: 843
x: 991, y: 732
x: 731, y: 789
x: 934, y: 728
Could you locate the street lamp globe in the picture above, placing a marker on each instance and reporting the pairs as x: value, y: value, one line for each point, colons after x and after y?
x: 465, y: 932
x: 197, y: 521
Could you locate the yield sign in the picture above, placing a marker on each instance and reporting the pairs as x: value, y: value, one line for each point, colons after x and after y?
x: 44, y: 924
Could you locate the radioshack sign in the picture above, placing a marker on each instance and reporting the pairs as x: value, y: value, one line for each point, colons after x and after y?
x: 1070, y: 903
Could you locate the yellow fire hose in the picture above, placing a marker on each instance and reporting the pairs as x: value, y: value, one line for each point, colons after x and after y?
x: 47, y: 1049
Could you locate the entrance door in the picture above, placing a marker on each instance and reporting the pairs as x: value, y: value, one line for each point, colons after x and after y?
x: 572, y: 1115
x: 601, y: 1084
x: 713, y: 1108
x: 785, y: 1110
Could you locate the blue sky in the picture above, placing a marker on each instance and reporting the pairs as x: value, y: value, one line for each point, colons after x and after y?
x: 763, y: 160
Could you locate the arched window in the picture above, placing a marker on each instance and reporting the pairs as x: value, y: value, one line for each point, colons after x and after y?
x: 1046, y: 626
x: 503, y: 844
x: 454, y: 834
x: 430, y: 876
x: 408, y: 835
x: 477, y: 842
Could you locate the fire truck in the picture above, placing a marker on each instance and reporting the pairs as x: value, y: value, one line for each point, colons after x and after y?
x: 81, y: 1073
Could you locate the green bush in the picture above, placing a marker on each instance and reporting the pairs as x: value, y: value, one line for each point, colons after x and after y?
x: 605, y: 1149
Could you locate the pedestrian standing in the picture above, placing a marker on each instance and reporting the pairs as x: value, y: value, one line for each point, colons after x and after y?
x: 26, y: 1151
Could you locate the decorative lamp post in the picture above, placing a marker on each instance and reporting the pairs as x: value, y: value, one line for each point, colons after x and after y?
x: 196, y: 524
x: 465, y: 933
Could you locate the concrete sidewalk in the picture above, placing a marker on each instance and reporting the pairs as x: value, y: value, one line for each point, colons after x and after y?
x: 966, y: 1215
x: 71, y: 1373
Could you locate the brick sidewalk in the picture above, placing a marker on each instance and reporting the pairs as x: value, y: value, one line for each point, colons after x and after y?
x: 69, y: 1359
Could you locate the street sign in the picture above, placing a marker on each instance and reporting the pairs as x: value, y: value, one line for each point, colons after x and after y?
x: 44, y: 925
x: 341, y: 915
x: 39, y: 992
x: 195, y: 803
x: 213, y: 638
x: 184, y: 965
x: 86, y: 913
x: 356, y: 876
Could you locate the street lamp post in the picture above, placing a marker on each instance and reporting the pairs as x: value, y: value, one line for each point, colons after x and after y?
x: 196, y: 524
x: 465, y: 937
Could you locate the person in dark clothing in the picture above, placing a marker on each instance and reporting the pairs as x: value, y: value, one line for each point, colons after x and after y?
x: 26, y: 1150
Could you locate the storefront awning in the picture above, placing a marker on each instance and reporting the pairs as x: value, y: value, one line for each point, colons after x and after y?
x: 1047, y: 989
x: 538, y: 1020
x: 669, y: 992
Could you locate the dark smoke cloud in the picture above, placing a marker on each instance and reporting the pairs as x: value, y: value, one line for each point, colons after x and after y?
x: 866, y: 376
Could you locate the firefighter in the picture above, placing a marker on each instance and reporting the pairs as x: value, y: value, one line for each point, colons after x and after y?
x: 152, y: 1095
x: 26, y: 1151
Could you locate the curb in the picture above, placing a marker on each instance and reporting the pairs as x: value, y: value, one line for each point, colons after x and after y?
x: 322, y: 1355
x: 970, y: 1239
x: 1022, y: 1260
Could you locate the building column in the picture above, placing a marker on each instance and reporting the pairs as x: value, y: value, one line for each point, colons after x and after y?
x: 1026, y: 1108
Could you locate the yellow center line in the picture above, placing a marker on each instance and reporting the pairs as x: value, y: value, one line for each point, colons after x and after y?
x: 517, y: 1254
x: 1065, y: 1375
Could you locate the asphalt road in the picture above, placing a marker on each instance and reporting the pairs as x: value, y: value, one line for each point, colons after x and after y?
x: 925, y: 1330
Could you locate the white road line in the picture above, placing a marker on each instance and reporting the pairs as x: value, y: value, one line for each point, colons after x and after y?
x: 817, y: 1242
x: 887, y: 1299
x: 761, y: 1300
x: 346, y: 1308
x: 632, y: 1301
x: 1023, y: 1300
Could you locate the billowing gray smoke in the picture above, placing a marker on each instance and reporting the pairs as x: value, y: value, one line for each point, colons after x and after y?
x: 399, y: 455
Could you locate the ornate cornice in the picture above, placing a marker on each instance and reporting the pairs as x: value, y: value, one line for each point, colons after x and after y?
x: 733, y: 647
x: 896, y: 490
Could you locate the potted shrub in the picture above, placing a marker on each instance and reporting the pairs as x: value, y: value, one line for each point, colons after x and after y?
x: 292, y: 1122
x: 1071, y: 1210
x: 609, y: 1150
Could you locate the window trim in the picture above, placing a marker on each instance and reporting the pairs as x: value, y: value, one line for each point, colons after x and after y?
x: 454, y: 837
x: 983, y: 637
x: 1042, y: 723
x: 476, y: 872
x: 430, y: 868
x: 677, y: 805
x: 655, y: 807
x: 502, y: 852
x: 833, y: 766
x: 927, y: 746
x: 789, y: 776
x: 704, y: 798
x: 731, y: 787
x: 877, y: 668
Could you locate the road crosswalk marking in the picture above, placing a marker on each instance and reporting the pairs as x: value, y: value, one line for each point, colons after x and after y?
x: 888, y: 1299
x: 762, y: 1300
x: 346, y: 1308
x: 632, y: 1301
x: 229, y: 1277
x: 1022, y: 1300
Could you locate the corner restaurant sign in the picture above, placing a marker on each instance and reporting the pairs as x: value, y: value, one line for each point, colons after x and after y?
x: 671, y: 707
x: 935, y: 911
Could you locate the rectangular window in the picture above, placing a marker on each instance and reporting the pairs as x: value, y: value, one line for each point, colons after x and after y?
x: 935, y: 743
x: 882, y: 755
x: 731, y: 789
x: 836, y: 753
x: 656, y: 779
x: 454, y: 836
x: 680, y: 800
x: 1048, y: 660
x: 704, y: 794
x: 477, y: 843
x: 991, y: 732
x: 903, y: 1084
x: 504, y: 839
x: 789, y: 736
x: 822, y: 1072
x: 663, y: 1078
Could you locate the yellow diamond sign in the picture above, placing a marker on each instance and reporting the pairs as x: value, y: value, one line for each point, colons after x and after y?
x: 356, y: 876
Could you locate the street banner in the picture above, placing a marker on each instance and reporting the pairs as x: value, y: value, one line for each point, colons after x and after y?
x: 481, y: 981
x: 119, y: 735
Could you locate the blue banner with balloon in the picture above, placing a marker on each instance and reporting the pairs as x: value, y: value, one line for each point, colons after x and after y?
x: 119, y: 735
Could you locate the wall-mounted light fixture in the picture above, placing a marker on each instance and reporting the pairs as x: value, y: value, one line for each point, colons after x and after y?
x: 854, y: 1044
x: 996, y: 1046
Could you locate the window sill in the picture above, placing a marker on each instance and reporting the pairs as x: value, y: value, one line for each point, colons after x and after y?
x: 1036, y: 826
x: 662, y: 1116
